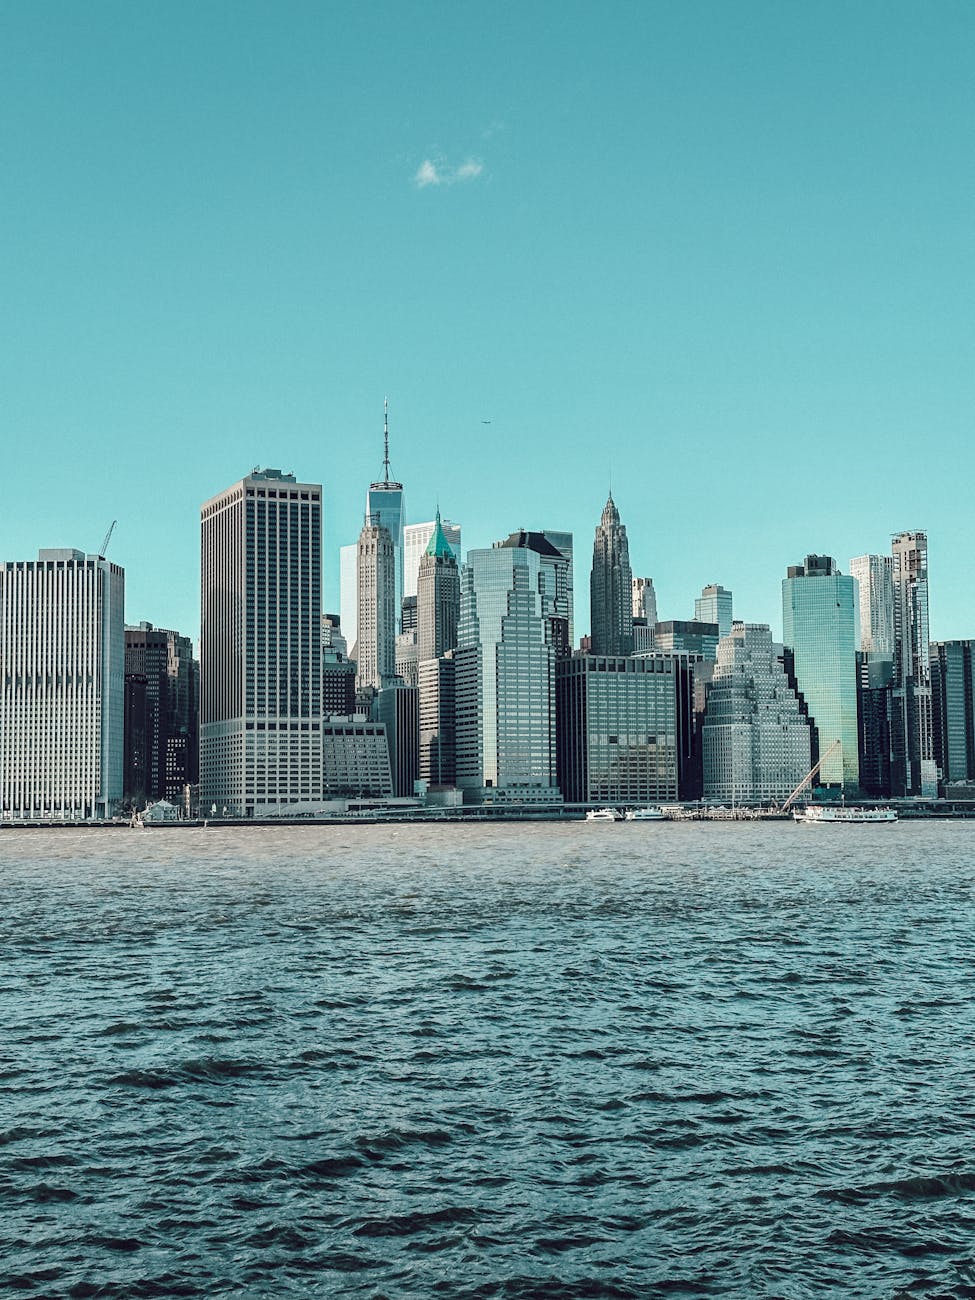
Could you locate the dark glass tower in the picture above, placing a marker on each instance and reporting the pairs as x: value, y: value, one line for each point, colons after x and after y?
x: 611, y: 586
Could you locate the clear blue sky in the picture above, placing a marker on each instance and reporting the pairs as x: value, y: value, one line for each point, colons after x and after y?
x: 720, y: 253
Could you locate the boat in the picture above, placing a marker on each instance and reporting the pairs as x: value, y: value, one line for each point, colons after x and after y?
x: 604, y: 815
x: 842, y: 814
x: 644, y: 815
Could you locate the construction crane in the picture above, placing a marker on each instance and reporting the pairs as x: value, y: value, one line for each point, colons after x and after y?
x: 837, y: 744
x: 108, y: 537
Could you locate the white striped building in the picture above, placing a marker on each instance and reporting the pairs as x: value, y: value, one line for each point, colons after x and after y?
x: 62, y: 686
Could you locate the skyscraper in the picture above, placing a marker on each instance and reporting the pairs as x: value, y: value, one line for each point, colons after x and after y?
x: 62, y: 687
x: 376, y: 642
x: 874, y: 573
x: 437, y: 598
x: 504, y: 692
x: 555, y: 577
x: 685, y: 636
x: 756, y: 742
x: 437, y: 721
x: 913, y: 770
x: 416, y: 538
x: 260, y: 738
x: 563, y: 543
x: 644, y: 600
x: 821, y: 630
x: 172, y: 676
x: 953, y: 693
x: 386, y: 508
x: 611, y: 586
x: 714, y: 605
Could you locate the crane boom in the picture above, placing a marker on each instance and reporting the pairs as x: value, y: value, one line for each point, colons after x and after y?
x: 810, y: 774
x: 108, y: 537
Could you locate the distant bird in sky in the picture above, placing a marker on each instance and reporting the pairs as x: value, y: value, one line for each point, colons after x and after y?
x: 485, y: 421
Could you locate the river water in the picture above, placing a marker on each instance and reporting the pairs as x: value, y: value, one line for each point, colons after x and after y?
x: 550, y: 1060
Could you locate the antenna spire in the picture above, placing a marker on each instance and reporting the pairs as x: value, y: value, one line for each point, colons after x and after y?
x: 385, y: 439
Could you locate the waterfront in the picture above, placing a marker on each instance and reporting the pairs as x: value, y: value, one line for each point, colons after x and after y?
x: 512, y: 1060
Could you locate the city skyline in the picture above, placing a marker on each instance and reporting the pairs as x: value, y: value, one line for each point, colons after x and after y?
x: 717, y: 265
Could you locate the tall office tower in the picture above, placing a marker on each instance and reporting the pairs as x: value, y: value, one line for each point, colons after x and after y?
x: 62, y: 686
x: 554, y: 575
x: 437, y: 597
x: 821, y: 630
x: 376, y: 641
x: 135, y: 776
x: 684, y: 636
x: 505, y: 705
x: 611, y: 586
x: 260, y: 645
x: 397, y: 707
x: 913, y: 769
x: 166, y: 661
x: 332, y: 636
x: 873, y: 720
x: 349, y: 595
x: 386, y: 508
x: 617, y: 729
x: 562, y: 541
x: 714, y: 606
x: 645, y: 600
x: 438, y: 740
x: 875, y: 575
x: 755, y: 740
x: 953, y: 695
x: 416, y: 538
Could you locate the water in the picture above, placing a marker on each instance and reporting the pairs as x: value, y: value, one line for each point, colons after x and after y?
x: 517, y: 1061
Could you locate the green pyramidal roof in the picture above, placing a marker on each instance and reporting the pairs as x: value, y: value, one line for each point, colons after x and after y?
x: 438, y: 544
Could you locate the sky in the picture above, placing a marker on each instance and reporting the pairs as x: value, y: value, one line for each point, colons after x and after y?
x: 718, y: 257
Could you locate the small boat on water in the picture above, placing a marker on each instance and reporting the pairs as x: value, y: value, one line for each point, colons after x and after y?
x: 815, y: 814
x: 644, y: 815
x: 604, y: 815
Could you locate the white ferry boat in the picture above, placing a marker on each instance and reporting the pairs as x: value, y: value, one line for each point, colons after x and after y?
x: 841, y: 814
x: 604, y: 815
x: 645, y: 815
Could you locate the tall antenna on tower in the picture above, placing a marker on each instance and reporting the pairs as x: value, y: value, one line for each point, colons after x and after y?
x: 385, y: 439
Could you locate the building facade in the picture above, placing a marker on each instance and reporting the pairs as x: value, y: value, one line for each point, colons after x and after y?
x: 437, y: 597
x: 913, y: 769
x: 644, y: 601
x: 617, y: 729
x: 261, y: 697
x: 755, y: 740
x: 416, y: 539
x: 504, y: 678
x: 355, y: 759
x: 611, y: 586
x: 875, y: 579
x: 714, y: 605
x: 397, y: 707
x: 376, y: 640
x: 953, y: 698
x: 62, y: 690
x: 686, y: 636
x: 821, y: 630
x: 437, y: 762
x: 555, y: 577
x: 171, y: 756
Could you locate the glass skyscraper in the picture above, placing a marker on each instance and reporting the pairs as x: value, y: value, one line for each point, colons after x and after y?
x: 386, y: 508
x: 821, y: 629
x: 714, y: 605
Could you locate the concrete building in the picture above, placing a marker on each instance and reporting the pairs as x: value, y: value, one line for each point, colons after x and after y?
x: 172, y: 705
x: 611, y: 586
x: 617, y: 729
x: 505, y: 706
x: 755, y: 740
x: 437, y: 597
x: 875, y: 579
x: 355, y: 759
x: 261, y: 706
x: 913, y: 769
x: 416, y: 538
x: 62, y: 686
x: 376, y: 640
x: 437, y: 763
x: 686, y: 636
x: 644, y: 601
x: 555, y: 574
x: 397, y: 707
x: 821, y: 632
x: 953, y: 696
x: 714, y: 605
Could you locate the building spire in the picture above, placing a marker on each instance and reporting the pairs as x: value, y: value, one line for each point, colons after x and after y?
x: 385, y: 439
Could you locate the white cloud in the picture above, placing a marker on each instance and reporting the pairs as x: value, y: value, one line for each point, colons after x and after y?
x: 437, y: 172
x: 427, y: 174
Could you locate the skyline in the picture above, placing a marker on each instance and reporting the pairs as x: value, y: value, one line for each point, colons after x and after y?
x: 718, y: 262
